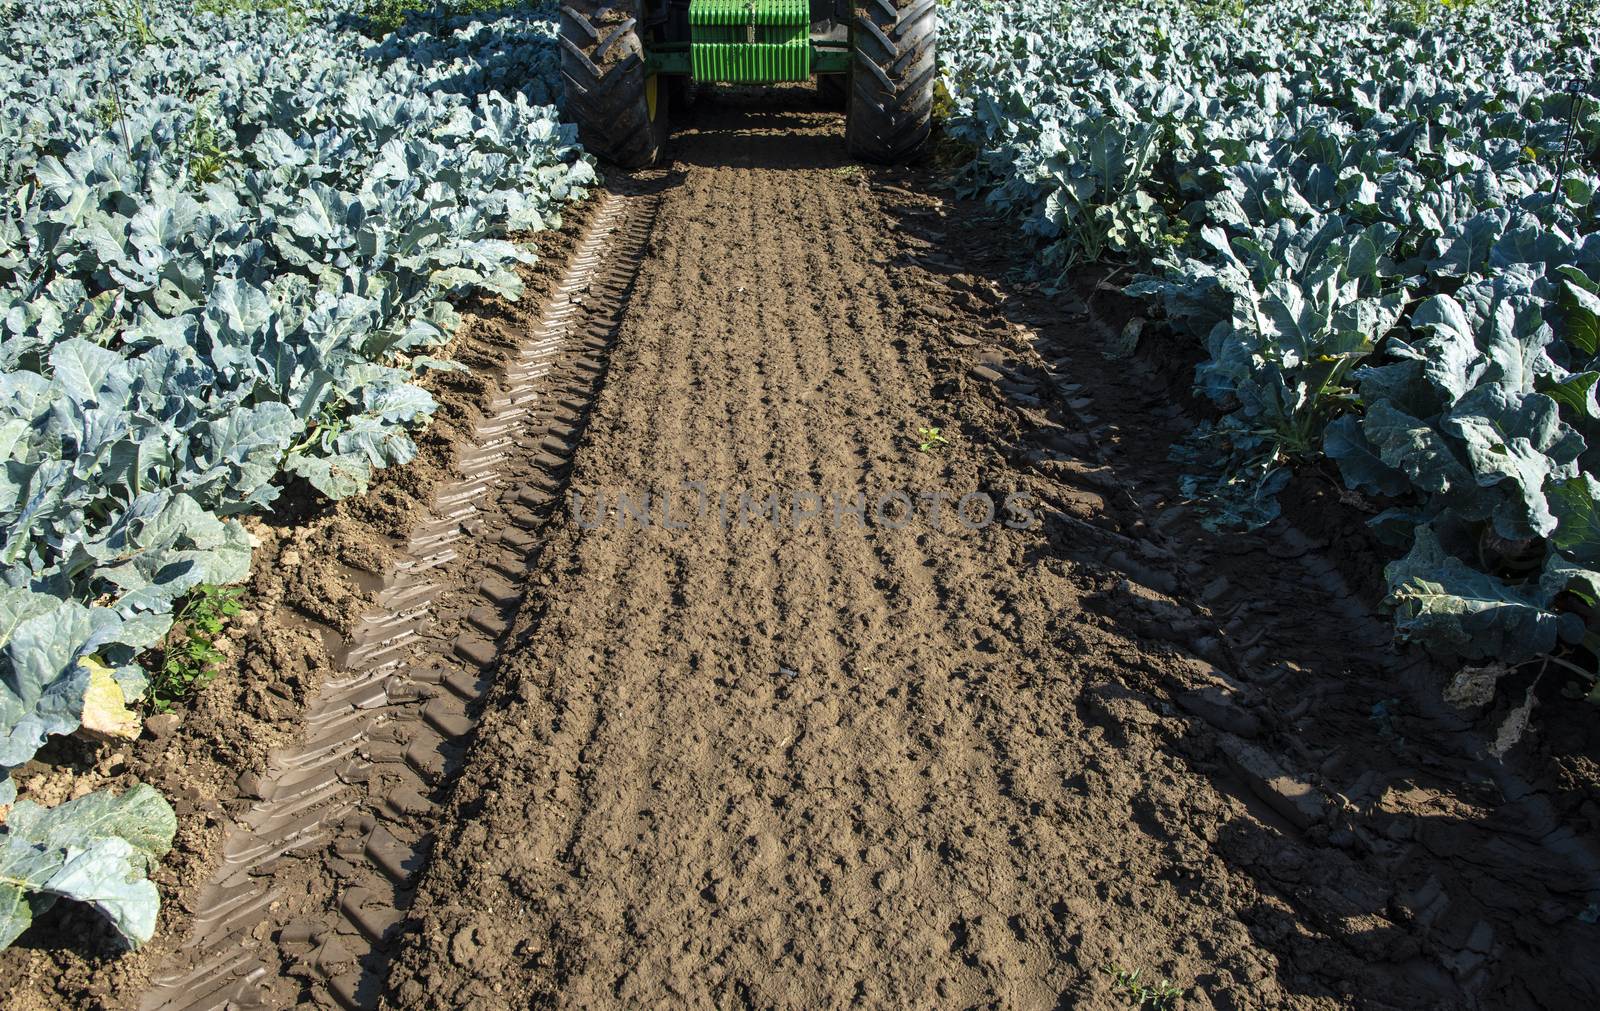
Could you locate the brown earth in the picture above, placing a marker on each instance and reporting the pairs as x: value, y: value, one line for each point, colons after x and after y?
x: 809, y: 763
x: 799, y: 764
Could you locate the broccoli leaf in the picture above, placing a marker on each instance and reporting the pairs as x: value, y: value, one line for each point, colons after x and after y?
x: 97, y: 849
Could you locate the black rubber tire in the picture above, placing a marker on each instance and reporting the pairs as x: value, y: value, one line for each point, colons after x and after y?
x: 893, y: 66
x: 602, y: 65
x: 833, y: 90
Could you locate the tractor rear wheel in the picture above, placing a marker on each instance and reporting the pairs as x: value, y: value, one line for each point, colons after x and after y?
x: 892, y: 45
x: 621, y: 110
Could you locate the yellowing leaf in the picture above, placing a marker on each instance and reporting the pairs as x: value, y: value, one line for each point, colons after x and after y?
x: 105, y: 709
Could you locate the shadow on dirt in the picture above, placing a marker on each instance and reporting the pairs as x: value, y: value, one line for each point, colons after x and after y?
x: 782, y: 127
x: 1432, y: 876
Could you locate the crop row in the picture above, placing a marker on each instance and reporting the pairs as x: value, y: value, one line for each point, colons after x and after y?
x: 227, y: 245
x: 1379, y: 222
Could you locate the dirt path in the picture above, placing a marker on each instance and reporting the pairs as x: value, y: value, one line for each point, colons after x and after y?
x: 789, y: 766
x: 809, y: 764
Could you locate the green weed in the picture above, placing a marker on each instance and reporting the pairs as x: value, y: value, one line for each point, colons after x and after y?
x: 207, y: 158
x: 284, y: 7
x: 189, y: 655
x: 293, y: 12
x: 106, y: 110
x: 1162, y: 996
x: 129, y: 19
x: 1218, y: 10
x: 929, y: 438
x: 1418, y: 12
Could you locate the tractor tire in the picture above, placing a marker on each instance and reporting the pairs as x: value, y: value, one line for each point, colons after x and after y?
x: 833, y: 90
x: 892, y: 49
x: 620, y: 111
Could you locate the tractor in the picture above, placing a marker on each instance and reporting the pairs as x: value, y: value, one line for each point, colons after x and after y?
x: 625, y: 62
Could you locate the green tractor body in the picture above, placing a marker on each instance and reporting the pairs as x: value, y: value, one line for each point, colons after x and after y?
x: 623, y: 61
x: 752, y: 42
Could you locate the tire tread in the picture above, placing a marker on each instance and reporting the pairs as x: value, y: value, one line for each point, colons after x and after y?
x: 603, y: 68
x: 893, y: 46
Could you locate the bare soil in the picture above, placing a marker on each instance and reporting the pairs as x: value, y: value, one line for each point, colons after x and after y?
x: 803, y: 765
x: 806, y: 762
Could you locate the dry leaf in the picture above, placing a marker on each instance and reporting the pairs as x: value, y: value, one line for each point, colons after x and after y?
x: 1516, y: 724
x: 1474, y: 686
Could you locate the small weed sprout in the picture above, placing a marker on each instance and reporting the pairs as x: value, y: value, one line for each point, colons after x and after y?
x: 189, y: 655
x: 928, y: 438
x: 1161, y: 996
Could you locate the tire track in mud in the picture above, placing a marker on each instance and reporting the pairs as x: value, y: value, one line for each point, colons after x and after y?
x: 357, y: 795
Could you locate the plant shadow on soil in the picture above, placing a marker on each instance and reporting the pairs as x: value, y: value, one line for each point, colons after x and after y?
x: 764, y: 121
x: 1445, y: 878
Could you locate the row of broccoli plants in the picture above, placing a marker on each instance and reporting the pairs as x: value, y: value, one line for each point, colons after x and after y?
x: 1379, y: 220
x: 227, y: 244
